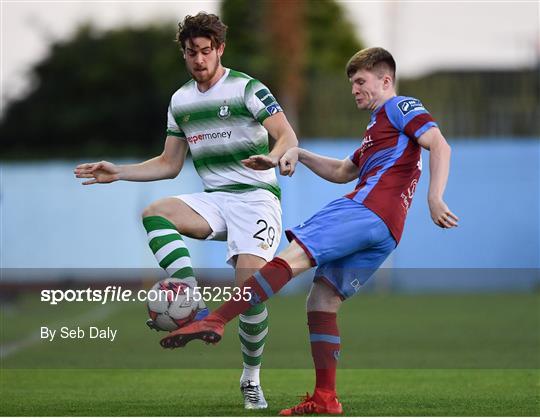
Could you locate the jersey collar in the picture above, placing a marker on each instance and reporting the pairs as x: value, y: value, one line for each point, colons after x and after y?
x: 381, y: 106
x: 219, y: 82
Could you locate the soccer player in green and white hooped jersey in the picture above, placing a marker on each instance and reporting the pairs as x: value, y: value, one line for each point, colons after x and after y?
x: 223, y: 117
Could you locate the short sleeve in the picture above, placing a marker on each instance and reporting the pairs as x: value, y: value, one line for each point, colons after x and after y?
x: 355, y: 157
x: 259, y: 101
x: 409, y: 116
x: 172, y: 127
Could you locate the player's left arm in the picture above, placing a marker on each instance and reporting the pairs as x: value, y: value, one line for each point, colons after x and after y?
x: 279, y: 128
x: 439, y: 167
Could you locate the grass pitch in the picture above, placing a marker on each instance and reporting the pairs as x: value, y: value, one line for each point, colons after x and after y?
x: 188, y: 392
x: 402, y: 355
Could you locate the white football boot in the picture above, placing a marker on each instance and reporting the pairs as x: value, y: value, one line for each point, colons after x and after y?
x: 253, y: 395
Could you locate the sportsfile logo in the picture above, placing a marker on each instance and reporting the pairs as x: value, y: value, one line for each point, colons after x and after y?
x: 120, y: 294
x: 214, y: 135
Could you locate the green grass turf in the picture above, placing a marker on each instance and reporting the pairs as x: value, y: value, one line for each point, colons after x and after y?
x: 377, y: 331
x: 401, y: 355
x: 215, y: 392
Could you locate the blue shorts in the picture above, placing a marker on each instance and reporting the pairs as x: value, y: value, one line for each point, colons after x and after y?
x: 347, y: 241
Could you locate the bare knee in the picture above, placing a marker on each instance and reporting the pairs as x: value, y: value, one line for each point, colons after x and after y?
x: 296, y: 257
x: 174, y: 210
x: 323, y: 298
x: 157, y: 208
x: 185, y: 220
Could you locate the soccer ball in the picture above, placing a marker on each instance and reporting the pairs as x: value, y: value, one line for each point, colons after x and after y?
x: 171, y: 304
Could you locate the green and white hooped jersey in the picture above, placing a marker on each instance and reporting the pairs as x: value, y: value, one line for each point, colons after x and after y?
x: 224, y: 126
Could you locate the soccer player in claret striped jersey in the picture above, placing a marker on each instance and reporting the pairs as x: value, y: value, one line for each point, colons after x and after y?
x: 349, y: 238
x: 223, y: 117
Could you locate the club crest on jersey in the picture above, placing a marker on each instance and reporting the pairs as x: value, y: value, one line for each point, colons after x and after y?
x: 185, y: 119
x: 409, y: 105
x: 224, y: 112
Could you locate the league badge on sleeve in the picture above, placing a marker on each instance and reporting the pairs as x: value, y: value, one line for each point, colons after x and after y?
x: 269, y: 101
x: 408, y: 105
x: 273, y: 109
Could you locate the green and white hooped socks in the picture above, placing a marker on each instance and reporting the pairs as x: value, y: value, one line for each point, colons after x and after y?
x: 252, y: 330
x: 168, y: 247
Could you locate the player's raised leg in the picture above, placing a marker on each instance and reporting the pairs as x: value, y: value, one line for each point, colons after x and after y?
x: 259, y: 287
x: 165, y: 220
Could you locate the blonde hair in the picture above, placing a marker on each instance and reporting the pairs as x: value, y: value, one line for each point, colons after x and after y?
x: 377, y: 60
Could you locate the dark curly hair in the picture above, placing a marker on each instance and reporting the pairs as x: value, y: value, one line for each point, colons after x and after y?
x: 201, y: 25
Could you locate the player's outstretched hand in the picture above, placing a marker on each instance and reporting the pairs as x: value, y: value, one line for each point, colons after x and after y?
x: 287, y: 163
x: 100, y: 172
x: 441, y: 215
x: 260, y: 162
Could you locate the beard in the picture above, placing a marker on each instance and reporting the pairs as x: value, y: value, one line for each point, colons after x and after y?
x: 204, y: 76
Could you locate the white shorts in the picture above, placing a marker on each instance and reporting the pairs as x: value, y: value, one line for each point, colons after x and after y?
x: 250, y: 222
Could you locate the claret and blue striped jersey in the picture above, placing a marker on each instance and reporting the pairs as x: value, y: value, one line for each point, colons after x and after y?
x: 389, y: 159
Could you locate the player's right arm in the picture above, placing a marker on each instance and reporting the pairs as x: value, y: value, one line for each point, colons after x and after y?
x: 165, y: 166
x: 331, y: 169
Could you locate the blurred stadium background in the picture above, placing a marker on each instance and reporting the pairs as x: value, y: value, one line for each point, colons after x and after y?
x: 91, y: 81
x: 101, y: 84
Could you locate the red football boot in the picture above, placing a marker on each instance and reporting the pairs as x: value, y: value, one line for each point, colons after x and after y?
x: 208, y: 329
x: 321, y: 403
